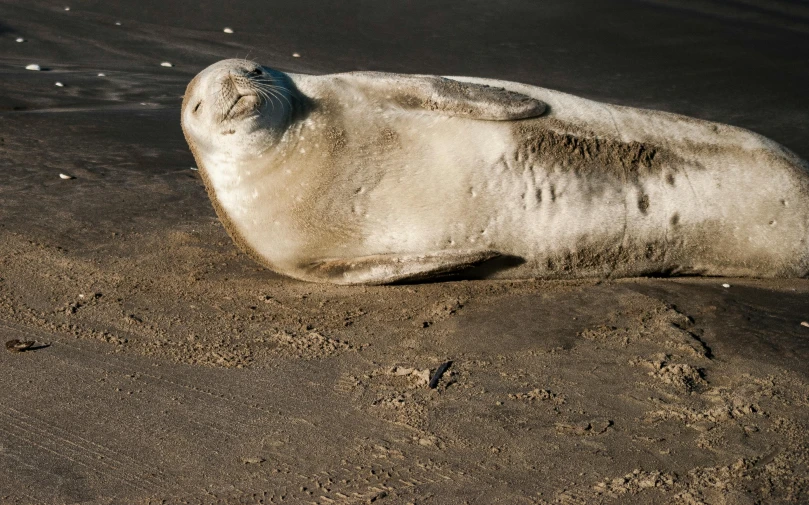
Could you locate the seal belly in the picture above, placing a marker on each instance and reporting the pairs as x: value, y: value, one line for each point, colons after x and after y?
x: 413, y: 187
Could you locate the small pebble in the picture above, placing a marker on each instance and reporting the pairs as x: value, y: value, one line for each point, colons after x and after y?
x: 117, y: 23
x: 60, y: 84
x: 18, y: 346
x: 33, y: 66
x: 296, y: 55
x: 102, y: 75
x: 65, y: 176
x: 166, y: 64
x: 67, y: 8
x: 20, y: 39
x: 438, y: 373
x: 726, y: 285
x: 252, y: 461
x: 228, y: 30
x: 805, y: 324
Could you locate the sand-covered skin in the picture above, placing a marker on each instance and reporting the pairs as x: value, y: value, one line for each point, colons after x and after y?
x: 167, y: 367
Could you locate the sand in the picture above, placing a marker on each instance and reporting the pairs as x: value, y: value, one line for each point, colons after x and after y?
x: 170, y: 368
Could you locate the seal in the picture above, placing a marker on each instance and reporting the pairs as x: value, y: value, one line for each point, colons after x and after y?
x: 373, y: 178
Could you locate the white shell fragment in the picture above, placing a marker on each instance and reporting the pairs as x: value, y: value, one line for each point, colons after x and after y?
x: 67, y: 8
x: 166, y: 64
x: 33, y: 66
x: 65, y: 176
x: 20, y: 39
x: 228, y: 30
x: 726, y: 285
x: 117, y: 23
x: 60, y: 84
x: 193, y: 168
x: 102, y: 75
x: 296, y: 55
x: 805, y: 324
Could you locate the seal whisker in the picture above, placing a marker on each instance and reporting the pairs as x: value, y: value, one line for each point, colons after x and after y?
x: 273, y: 93
x: 258, y: 88
x: 264, y: 95
x: 274, y: 97
x: 260, y: 96
x: 278, y: 91
x: 267, y: 97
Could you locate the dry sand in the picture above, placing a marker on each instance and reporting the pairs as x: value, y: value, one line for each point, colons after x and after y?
x: 169, y: 368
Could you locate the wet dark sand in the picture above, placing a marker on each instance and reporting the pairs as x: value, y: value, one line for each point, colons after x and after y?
x: 178, y: 371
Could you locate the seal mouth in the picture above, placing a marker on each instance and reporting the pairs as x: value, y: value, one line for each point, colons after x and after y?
x: 243, y: 105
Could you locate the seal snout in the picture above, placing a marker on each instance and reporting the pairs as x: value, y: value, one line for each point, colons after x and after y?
x: 242, y: 105
x: 239, y: 94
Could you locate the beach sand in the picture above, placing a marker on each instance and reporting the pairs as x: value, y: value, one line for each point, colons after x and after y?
x: 170, y: 368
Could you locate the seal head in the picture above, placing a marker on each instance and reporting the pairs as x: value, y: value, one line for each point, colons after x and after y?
x: 234, y: 107
x: 232, y: 112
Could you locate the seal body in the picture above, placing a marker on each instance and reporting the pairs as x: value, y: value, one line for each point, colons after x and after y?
x: 375, y: 178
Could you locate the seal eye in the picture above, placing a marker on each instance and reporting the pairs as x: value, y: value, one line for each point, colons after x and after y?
x: 198, y: 104
x: 254, y: 73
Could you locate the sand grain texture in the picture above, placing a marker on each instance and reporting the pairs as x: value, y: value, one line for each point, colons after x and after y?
x: 170, y: 368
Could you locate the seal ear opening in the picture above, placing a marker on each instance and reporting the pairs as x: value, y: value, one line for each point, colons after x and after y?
x: 197, y: 106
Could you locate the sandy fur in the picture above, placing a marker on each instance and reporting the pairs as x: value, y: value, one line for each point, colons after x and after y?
x: 587, y: 189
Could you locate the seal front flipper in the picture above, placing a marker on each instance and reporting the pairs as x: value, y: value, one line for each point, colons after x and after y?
x: 388, y: 268
x: 447, y: 96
